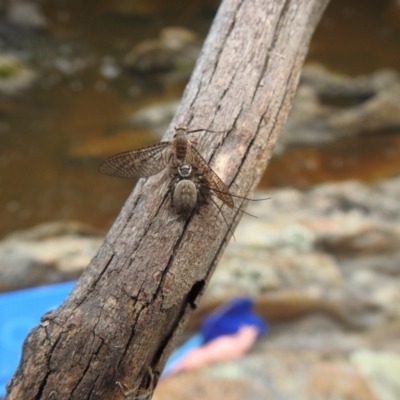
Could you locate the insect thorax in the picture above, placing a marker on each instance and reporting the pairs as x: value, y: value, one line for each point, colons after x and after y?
x: 180, y: 143
x: 185, y: 171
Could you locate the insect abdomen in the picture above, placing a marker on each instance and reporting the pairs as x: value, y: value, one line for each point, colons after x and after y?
x: 185, y: 197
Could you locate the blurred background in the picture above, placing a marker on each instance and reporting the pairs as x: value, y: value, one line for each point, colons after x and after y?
x: 80, y: 81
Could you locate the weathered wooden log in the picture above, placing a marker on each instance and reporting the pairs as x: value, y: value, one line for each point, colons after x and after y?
x: 123, y: 318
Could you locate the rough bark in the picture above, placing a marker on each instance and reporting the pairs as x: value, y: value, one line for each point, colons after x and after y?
x: 122, y: 319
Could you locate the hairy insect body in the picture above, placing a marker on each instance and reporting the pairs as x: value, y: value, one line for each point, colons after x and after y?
x: 184, y: 192
x: 193, y: 179
x: 184, y: 197
x: 180, y: 144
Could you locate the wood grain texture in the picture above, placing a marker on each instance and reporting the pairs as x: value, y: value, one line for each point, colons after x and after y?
x: 135, y: 297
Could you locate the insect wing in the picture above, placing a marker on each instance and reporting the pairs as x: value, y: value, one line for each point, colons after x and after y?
x: 139, y: 163
x: 212, y: 180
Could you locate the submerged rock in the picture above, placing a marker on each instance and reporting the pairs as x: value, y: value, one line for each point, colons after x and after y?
x: 15, y: 76
x: 48, y: 253
x: 329, y: 107
x: 156, y: 117
x: 26, y: 13
x: 176, y: 49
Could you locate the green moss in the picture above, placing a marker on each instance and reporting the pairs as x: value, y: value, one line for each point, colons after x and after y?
x: 7, y: 70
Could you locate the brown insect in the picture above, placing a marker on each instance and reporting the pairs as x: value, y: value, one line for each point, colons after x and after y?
x: 188, y: 168
x: 184, y: 192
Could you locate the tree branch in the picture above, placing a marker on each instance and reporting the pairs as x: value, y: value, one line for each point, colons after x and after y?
x: 129, y: 307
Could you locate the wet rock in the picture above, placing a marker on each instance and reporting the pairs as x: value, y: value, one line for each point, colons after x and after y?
x: 202, y: 385
x: 308, y: 358
x: 379, y: 113
x: 338, y: 379
x: 18, y: 269
x: 381, y: 372
x: 156, y: 117
x: 48, y: 253
x: 50, y: 230
x: 335, y: 89
x: 244, y: 271
x: 26, y: 13
x: 176, y: 49
x: 276, y: 374
x: 328, y: 107
x: 334, y: 248
x: 323, y: 267
x: 109, y: 68
x: 15, y: 76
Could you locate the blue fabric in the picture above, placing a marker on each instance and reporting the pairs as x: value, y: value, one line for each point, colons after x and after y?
x: 20, y: 311
x: 192, y: 343
x: 227, y: 319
